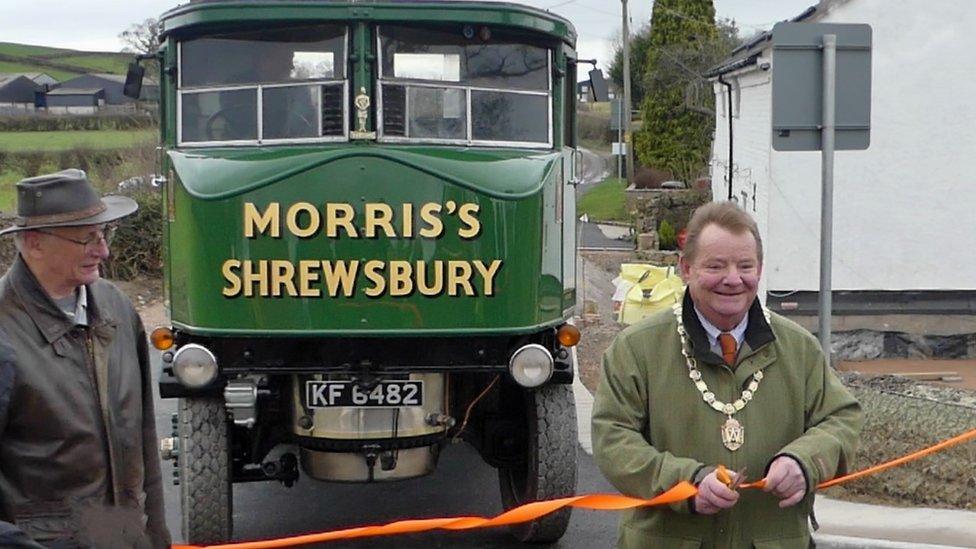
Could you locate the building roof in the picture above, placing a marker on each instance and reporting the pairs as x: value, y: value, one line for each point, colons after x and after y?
x: 749, y: 52
x: 7, y: 78
x: 117, y: 78
x: 120, y: 78
x: 36, y: 75
x: 75, y: 91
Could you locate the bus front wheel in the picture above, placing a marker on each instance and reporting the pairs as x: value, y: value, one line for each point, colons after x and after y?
x: 549, y: 468
x: 204, y: 465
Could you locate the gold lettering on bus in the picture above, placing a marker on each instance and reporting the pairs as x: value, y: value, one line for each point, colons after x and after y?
x: 314, y: 219
x: 459, y: 274
x: 309, y: 277
x: 235, y: 287
x: 282, y: 278
x: 429, y: 214
x: 488, y: 275
x: 397, y: 278
x: 251, y: 277
x: 340, y: 274
x: 372, y: 271
x: 270, y: 219
x: 468, y: 214
x: 306, y: 276
x: 407, y: 220
x: 379, y: 216
x: 401, y: 283
x: 435, y: 288
x: 339, y: 215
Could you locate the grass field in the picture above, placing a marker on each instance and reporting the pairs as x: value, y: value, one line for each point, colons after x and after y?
x: 10, y: 48
x: 605, y: 202
x: 59, y: 75
x: 114, y: 64
x: 26, y: 58
x: 59, y: 141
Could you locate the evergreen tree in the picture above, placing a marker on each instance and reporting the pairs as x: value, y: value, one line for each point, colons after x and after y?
x: 676, y: 133
x: 640, y: 42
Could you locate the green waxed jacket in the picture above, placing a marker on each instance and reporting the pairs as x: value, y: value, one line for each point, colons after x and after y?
x: 651, y: 428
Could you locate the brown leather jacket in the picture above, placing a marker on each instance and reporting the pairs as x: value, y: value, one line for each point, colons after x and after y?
x: 78, y: 456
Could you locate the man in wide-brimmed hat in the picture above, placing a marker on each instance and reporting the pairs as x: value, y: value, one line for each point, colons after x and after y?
x: 78, y: 460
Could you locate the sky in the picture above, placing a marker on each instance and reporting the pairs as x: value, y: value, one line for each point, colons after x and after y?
x: 95, y: 26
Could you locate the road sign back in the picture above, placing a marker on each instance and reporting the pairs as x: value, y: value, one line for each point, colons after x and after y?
x: 798, y: 86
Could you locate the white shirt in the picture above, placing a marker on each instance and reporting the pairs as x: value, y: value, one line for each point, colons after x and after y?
x: 739, y: 332
x: 78, y: 309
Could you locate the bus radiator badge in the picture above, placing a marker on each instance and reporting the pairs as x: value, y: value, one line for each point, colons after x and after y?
x: 362, y: 114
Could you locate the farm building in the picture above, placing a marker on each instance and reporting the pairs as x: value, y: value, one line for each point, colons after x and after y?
x: 42, y: 79
x: 17, y: 92
x: 75, y: 100
x: 903, y: 220
x: 112, y: 84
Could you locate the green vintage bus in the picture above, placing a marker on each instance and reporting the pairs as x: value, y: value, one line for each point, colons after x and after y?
x: 370, y: 245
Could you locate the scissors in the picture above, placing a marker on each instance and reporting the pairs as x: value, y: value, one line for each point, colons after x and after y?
x: 722, y: 474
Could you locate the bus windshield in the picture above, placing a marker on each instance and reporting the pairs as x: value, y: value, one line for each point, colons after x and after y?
x: 285, y: 84
x: 444, y: 87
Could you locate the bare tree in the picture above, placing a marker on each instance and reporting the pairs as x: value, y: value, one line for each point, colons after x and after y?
x: 141, y: 37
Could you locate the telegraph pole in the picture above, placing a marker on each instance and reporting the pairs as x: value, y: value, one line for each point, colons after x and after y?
x: 628, y: 138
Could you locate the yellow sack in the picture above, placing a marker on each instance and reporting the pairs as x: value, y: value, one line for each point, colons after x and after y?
x: 654, y: 288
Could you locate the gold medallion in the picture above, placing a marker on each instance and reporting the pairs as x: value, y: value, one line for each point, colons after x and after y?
x: 733, y: 435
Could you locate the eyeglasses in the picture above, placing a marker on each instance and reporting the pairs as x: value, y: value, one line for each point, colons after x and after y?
x: 107, y: 234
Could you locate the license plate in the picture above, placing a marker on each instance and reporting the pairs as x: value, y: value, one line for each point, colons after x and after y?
x: 387, y: 394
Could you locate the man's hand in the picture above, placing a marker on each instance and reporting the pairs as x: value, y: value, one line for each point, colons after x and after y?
x: 785, y: 480
x: 713, y: 496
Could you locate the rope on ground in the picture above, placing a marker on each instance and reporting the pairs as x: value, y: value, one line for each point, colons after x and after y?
x: 534, y: 510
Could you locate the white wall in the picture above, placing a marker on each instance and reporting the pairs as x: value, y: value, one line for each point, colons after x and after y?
x: 72, y: 110
x: 751, y: 98
x: 905, y: 209
x: 17, y: 107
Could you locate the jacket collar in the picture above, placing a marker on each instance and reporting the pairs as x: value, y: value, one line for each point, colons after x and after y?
x: 758, y: 332
x: 49, y: 318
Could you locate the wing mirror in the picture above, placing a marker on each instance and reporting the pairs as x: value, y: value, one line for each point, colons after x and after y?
x: 133, y: 80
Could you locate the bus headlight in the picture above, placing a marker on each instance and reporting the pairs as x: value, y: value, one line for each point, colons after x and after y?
x: 531, y: 366
x: 194, y: 365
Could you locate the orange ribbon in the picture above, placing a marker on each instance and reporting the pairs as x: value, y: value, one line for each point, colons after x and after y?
x: 532, y: 511
x: 523, y: 513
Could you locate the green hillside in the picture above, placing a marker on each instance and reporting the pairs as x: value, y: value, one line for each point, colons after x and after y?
x: 60, y: 63
x: 58, y: 75
x: 116, y: 64
x: 21, y: 50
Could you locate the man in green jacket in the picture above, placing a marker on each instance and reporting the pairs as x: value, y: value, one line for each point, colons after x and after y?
x: 721, y: 381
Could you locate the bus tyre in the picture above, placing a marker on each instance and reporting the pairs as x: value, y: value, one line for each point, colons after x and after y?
x: 549, y: 470
x: 204, y: 467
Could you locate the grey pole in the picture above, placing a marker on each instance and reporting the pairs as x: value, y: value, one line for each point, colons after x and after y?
x: 827, y: 188
x: 620, y: 135
x: 628, y: 148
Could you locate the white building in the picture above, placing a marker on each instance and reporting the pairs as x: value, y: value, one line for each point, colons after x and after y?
x: 904, y: 209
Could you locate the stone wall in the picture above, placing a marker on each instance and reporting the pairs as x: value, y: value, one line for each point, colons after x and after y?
x: 649, y: 207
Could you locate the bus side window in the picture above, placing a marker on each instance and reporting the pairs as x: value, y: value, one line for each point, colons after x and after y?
x: 569, y: 106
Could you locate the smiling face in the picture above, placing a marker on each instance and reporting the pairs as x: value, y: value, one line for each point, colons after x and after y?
x: 61, y: 265
x: 723, y: 275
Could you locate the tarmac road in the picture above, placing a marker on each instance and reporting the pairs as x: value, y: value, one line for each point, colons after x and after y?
x: 462, y: 485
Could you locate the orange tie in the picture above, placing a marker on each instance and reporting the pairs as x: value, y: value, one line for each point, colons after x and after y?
x: 727, y: 341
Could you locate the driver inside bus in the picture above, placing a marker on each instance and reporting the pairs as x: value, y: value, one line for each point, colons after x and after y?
x: 288, y: 112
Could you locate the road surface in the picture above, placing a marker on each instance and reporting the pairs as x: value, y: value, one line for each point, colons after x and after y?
x: 462, y: 485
